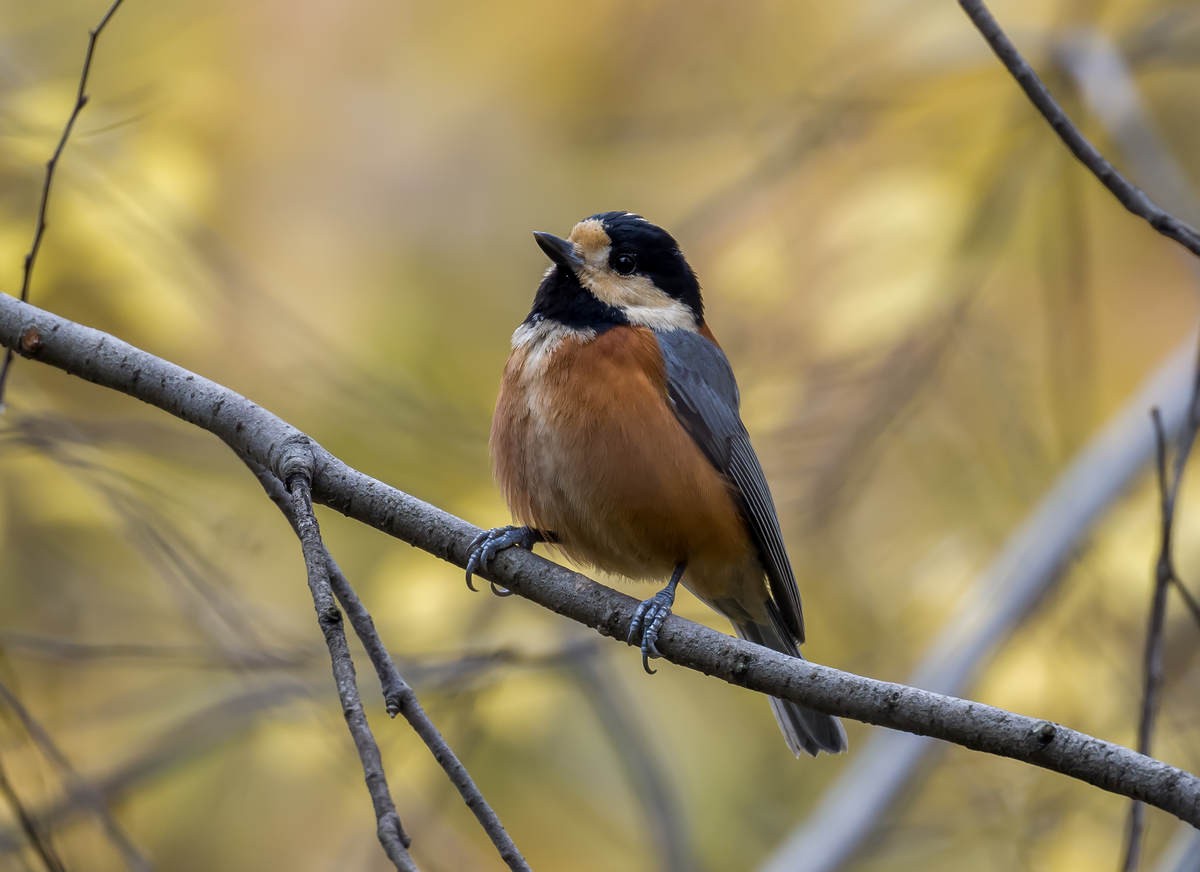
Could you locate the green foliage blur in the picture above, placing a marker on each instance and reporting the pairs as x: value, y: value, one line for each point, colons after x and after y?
x: 327, y: 207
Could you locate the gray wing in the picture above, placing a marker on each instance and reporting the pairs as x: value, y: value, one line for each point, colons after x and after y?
x: 704, y: 397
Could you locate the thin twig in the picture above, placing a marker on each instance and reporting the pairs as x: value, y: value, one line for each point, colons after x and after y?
x: 1165, y: 577
x: 1139, y: 203
x: 399, y: 697
x: 402, y: 699
x: 1021, y: 574
x: 1152, y: 658
x: 1101, y: 74
x: 81, y: 99
x: 298, y: 482
x: 1130, y: 195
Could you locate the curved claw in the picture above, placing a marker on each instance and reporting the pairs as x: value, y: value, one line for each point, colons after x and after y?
x: 489, y: 543
x: 647, y: 620
x: 649, y: 617
x: 473, y: 560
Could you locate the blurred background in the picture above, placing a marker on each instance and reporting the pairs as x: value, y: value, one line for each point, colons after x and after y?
x: 327, y: 206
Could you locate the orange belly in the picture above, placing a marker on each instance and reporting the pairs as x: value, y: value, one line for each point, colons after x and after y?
x: 585, y: 445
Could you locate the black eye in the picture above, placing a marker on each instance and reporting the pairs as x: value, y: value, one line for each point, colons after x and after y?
x: 624, y: 263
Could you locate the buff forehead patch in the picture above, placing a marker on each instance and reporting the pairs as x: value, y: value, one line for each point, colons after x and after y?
x: 590, y: 236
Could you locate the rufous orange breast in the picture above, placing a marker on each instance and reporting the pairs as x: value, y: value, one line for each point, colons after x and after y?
x: 585, y: 444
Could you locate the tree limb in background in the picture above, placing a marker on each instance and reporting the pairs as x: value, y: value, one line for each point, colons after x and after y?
x: 30, y: 826
x: 183, y: 740
x: 39, y: 230
x: 1025, y: 569
x: 75, y: 784
x: 1099, y: 71
x: 643, y: 766
x: 268, y: 440
x: 253, y: 432
x: 1182, y: 853
x: 1137, y: 202
x: 1029, y: 563
x: 1103, y: 78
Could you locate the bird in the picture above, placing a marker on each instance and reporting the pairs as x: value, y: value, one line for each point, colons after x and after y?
x: 617, y: 439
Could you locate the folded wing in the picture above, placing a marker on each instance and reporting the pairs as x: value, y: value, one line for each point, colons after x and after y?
x: 705, y: 399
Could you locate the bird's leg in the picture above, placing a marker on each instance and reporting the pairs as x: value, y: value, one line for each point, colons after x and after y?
x: 489, y: 543
x: 649, y: 617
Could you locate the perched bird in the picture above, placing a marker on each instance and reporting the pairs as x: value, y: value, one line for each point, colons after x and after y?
x: 617, y: 438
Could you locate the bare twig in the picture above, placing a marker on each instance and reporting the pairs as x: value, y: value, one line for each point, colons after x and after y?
x: 1026, y: 567
x: 1139, y: 203
x: 81, y: 99
x: 1107, y: 86
x: 1165, y: 577
x: 1028, y: 564
x: 76, y: 784
x: 254, y: 432
x: 296, y: 466
x: 399, y: 697
x: 1152, y: 665
x: 1130, y: 195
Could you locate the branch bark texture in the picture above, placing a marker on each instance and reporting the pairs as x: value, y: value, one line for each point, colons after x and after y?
x: 256, y: 433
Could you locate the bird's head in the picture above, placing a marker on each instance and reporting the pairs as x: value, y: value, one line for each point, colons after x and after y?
x: 618, y: 268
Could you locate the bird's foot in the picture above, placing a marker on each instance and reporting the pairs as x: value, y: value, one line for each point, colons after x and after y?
x: 648, y: 619
x: 489, y: 543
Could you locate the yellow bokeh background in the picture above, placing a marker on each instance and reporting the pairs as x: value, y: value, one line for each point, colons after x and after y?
x: 326, y: 206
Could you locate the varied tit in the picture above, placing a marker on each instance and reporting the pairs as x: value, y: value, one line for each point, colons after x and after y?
x: 617, y: 438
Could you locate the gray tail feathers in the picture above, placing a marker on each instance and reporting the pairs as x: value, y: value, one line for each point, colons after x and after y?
x: 803, y: 729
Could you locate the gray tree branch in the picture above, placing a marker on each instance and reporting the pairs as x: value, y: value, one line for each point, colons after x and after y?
x: 1029, y: 563
x: 296, y: 472
x: 1025, y: 569
x: 253, y: 432
x: 1128, y: 194
x: 398, y: 695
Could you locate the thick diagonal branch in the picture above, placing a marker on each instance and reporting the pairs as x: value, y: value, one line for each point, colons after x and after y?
x: 254, y: 432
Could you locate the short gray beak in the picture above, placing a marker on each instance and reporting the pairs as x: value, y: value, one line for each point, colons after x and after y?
x: 558, y: 250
